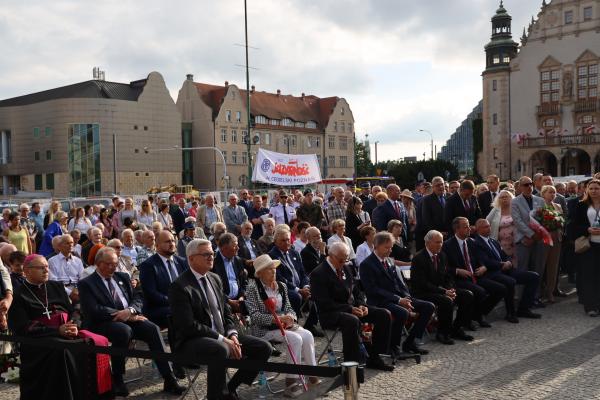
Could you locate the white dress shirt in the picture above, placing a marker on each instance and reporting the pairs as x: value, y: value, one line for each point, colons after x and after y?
x: 65, y: 270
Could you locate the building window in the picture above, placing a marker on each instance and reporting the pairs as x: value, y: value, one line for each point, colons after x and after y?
x: 287, y: 122
x: 587, y: 13
x: 314, y: 141
x: 48, y: 131
x: 335, y: 126
x: 331, y: 161
x: 495, y: 119
x: 244, y: 158
x: 349, y: 127
x: 331, y: 142
x: 496, y: 59
x: 506, y: 59
x: 238, y: 116
x: 343, y: 111
x: 549, y: 123
x: 135, y: 127
x: 224, y: 155
x: 245, y: 137
x: 568, y: 17
x: 38, y: 184
x: 343, y: 161
x: 83, y: 147
x: 343, y: 140
x: 494, y: 85
x: 299, y: 124
x: 274, y: 122
x: 587, y: 81
x: 293, y: 140
x: 48, y: 154
x: 233, y: 136
x: 36, y: 156
x: 342, y: 127
x: 223, y: 135
x: 267, y: 138
x: 234, y: 157
x: 311, y: 125
x: 260, y: 119
x: 550, y: 86
x: 228, y: 115
x: 36, y: 133
x: 50, y: 181
x: 145, y: 127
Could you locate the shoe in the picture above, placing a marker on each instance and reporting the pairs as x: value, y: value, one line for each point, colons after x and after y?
x: 538, y: 304
x: 395, y: 350
x: 512, y: 319
x: 316, y: 331
x: 119, y: 387
x: 378, y: 364
x: 231, y: 395
x: 293, y: 391
x: 559, y: 293
x: 483, y: 323
x: 275, y: 352
x: 412, y: 347
x: 172, y: 387
x: 178, y: 371
x: 528, y: 314
x: 444, y: 339
x: 592, y: 313
x: 314, y: 381
x: 471, y: 327
x: 459, y: 334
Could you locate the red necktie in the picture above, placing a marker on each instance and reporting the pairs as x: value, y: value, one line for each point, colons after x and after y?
x: 467, y: 207
x: 340, y: 274
x: 468, y: 260
x: 397, y: 209
x: 435, y: 261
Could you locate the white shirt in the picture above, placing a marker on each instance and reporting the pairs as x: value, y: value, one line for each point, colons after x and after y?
x: 460, y: 245
x: 164, y: 260
x: 591, y: 214
x: 336, y: 238
x: 67, y: 271
x: 299, y: 245
x: 277, y: 213
x: 118, y: 290
x: 198, y: 277
x: 363, y: 251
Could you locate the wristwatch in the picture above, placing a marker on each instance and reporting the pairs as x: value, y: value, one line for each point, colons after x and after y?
x: 132, y: 310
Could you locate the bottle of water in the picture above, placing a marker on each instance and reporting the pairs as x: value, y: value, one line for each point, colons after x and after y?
x: 262, y: 385
x: 331, y: 358
x: 364, y: 354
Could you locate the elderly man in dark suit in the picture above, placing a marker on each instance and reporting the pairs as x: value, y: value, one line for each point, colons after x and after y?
x: 178, y: 215
x: 291, y: 272
x: 486, y: 199
x: 230, y: 269
x: 470, y: 273
x: 313, y: 254
x: 204, y: 327
x: 156, y: 275
x: 431, y: 281
x: 248, y: 247
x: 391, y: 209
x: 385, y: 288
x: 500, y: 269
x: 462, y: 204
x: 431, y: 216
x: 342, y: 305
x: 113, y: 309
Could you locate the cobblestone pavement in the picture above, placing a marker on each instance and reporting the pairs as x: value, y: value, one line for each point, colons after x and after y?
x: 557, y: 357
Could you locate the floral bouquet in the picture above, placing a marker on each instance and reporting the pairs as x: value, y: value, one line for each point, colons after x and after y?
x: 541, y: 231
x: 549, y: 218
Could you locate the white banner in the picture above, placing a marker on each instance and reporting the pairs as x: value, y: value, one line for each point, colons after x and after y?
x: 286, y: 169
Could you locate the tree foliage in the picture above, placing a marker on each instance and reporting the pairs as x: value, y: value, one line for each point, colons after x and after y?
x: 364, y: 166
x: 407, y: 173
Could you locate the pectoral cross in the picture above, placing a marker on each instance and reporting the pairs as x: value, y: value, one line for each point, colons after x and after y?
x: 47, y: 312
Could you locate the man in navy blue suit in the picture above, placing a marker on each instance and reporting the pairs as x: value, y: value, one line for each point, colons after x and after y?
x: 386, y: 289
x: 113, y: 309
x: 391, y: 209
x: 230, y: 269
x: 470, y: 272
x: 500, y: 269
x: 156, y: 275
x: 291, y: 273
x: 462, y: 204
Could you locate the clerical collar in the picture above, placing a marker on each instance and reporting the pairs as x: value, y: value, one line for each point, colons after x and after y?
x: 35, y: 285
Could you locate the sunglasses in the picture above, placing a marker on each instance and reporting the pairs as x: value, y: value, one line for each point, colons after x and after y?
x: 527, y: 184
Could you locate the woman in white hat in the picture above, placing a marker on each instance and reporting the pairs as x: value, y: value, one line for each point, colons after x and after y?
x: 263, y: 287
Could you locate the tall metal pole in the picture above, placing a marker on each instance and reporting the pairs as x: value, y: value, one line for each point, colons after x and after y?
x: 376, y: 142
x: 431, y: 135
x: 249, y: 136
x: 114, y: 138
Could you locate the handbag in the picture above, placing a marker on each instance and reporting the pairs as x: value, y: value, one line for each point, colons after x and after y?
x: 582, y: 244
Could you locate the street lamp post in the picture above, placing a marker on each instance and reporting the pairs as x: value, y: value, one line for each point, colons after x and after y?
x: 376, y: 143
x: 248, y: 135
x: 425, y: 130
x: 175, y: 148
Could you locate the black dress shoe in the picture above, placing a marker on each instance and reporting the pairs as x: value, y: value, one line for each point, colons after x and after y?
x: 444, y: 339
x: 528, y: 314
x: 378, y: 364
x: 316, y: 331
x: 178, y: 371
x: 484, y: 324
x: 471, y: 326
x: 412, y: 347
x: 538, y: 304
x: 172, y: 387
x: 512, y: 319
x: 119, y: 387
x: 459, y: 334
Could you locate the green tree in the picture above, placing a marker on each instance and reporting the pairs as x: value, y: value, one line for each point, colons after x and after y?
x: 364, y: 166
x: 407, y: 173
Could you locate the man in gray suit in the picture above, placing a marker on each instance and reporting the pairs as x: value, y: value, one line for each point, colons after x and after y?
x: 529, y: 247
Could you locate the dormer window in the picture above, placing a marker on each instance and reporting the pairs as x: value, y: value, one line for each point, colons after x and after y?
x: 311, y: 125
x: 568, y: 17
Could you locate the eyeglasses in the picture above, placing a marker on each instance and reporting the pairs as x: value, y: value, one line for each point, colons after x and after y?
x: 117, y: 247
x: 38, y: 267
x: 526, y: 184
x: 208, y: 256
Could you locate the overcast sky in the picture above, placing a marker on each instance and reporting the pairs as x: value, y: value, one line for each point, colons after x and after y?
x: 403, y: 65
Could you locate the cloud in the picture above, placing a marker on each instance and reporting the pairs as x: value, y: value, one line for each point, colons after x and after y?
x: 402, y: 66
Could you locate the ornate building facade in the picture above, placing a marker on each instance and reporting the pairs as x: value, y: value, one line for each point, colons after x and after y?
x: 540, y: 98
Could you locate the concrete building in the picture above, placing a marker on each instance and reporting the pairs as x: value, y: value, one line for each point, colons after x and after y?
x: 216, y: 116
x: 459, y: 148
x: 540, y: 99
x: 61, y: 140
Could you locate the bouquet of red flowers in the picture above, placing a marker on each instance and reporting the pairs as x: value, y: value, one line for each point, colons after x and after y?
x: 549, y: 218
x: 541, y: 231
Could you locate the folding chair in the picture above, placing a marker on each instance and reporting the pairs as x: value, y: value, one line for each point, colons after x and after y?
x: 329, y: 338
x: 140, y: 373
x: 192, y: 372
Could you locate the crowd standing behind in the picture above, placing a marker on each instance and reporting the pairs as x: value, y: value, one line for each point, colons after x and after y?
x: 371, y: 260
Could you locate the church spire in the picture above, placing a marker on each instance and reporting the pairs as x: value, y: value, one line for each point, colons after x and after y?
x: 501, y: 49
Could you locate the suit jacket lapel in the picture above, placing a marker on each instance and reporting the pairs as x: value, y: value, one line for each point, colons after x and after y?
x: 103, y: 288
x: 194, y: 282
